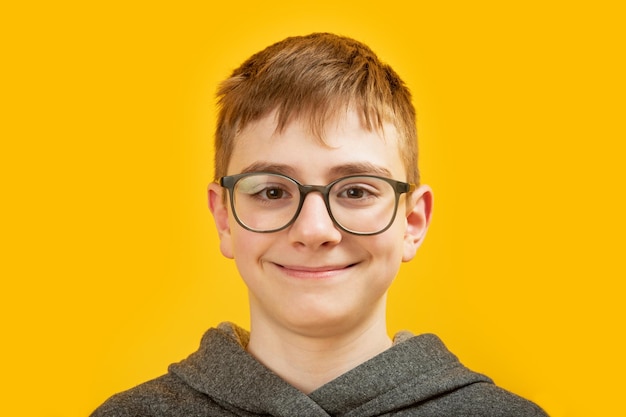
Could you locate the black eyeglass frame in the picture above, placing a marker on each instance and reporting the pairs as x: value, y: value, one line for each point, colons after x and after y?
x: 230, y: 181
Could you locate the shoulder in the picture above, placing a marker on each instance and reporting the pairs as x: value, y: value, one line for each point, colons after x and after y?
x: 163, y: 396
x: 485, y: 399
x: 183, y: 391
x: 454, y: 389
x: 147, y: 399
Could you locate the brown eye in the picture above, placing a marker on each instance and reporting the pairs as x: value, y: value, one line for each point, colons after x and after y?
x: 355, y: 193
x: 274, y: 193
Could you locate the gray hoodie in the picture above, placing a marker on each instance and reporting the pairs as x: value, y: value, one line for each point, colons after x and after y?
x: 417, y: 376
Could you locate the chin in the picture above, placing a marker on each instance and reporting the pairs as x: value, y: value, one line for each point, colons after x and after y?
x: 322, y: 321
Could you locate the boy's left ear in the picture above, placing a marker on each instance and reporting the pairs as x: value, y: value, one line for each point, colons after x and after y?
x: 418, y: 213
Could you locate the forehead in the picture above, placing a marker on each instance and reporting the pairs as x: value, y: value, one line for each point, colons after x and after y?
x: 346, y: 145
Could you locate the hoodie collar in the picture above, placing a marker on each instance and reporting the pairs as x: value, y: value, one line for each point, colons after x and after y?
x: 415, y: 369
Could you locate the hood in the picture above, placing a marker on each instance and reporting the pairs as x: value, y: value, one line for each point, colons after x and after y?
x: 415, y: 369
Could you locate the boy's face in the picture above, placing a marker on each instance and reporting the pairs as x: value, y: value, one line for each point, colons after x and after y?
x: 312, y: 277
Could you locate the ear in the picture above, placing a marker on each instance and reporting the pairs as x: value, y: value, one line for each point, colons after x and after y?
x: 418, y: 212
x: 219, y: 208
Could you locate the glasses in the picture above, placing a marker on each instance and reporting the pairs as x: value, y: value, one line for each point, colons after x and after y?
x: 359, y: 204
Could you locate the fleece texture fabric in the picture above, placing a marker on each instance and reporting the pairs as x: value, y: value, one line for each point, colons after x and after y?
x: 417, y: 376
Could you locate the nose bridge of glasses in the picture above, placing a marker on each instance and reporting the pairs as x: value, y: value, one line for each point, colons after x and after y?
x: 305, y: 190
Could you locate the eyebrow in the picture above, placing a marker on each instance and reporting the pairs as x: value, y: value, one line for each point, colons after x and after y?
x: 358, y: 168
x: 353, y: 168
x: 261, y: 166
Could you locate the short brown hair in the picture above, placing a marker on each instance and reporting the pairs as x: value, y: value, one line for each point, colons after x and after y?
x: 315, y: 77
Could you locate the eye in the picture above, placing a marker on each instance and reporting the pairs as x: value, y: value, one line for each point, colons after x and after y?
x: 273, y: 193
x: 355, y: 192
x: 360, y: 192
x: 266, y: 188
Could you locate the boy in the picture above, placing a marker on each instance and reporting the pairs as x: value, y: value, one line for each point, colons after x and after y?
x: 317, y: 199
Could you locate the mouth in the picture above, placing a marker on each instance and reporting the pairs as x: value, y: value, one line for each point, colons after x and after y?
x: 314, y: 272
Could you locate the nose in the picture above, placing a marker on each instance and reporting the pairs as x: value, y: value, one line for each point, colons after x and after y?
x: 314, y: 227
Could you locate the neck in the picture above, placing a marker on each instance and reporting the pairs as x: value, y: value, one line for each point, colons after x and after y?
x: 310, y: 361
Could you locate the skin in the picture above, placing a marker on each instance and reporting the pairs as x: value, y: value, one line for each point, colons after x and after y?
x: 317, y: 294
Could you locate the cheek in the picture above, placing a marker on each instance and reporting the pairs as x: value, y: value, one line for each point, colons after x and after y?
x: 391, y: 242
x: 248, y: 250
x: 387, y: 250
x: 243, y: 243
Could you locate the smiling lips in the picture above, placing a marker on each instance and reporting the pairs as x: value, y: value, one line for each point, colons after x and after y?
x: 306, y: 272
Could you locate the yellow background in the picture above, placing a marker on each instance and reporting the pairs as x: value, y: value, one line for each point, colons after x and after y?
x: 110, y: 268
